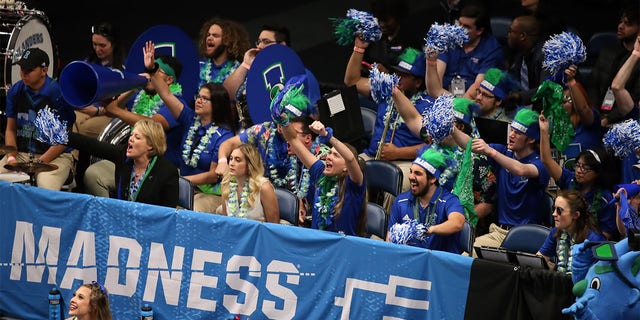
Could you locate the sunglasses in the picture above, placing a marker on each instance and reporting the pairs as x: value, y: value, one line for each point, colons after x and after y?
x: 101, y: 30
x: 557, y: 210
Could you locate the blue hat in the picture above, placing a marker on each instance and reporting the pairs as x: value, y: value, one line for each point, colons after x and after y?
x: 411, y: 61
x: 430, y: 160
x: 526, y: 121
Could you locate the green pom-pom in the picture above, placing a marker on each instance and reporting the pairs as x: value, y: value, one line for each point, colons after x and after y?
x: 344, y: 30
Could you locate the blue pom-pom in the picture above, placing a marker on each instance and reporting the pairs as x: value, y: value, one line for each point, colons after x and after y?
x: 438, y: 120
x: 623, y: 138
x: 381, y: 84
x: 563, y: 50
x: 442, y: 37
x: 408, y: 232
x: 50, y: 129
x: 367, y: 27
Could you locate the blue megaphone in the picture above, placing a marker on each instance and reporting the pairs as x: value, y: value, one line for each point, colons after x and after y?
x: 83, y: 83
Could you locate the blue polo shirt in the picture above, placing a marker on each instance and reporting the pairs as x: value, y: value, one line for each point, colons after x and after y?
x: 521, y: 200
x: 402, y: 137
x: 442, y: 204
x: 487, y: 54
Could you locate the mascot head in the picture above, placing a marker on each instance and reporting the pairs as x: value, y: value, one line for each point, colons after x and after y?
x: 611, y: 289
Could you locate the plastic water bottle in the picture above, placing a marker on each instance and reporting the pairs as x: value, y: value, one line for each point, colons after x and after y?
x: 54, y: 304
x: 146, y: 312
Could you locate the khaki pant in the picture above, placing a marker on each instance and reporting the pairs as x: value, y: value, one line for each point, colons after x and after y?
x: 203, y: 202
x: 99, y: 178
x: 90, y: 126
x: 52, y: 180
x: 492, y: 239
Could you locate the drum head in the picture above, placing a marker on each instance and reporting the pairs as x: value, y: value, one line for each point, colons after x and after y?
x: 30, y: 31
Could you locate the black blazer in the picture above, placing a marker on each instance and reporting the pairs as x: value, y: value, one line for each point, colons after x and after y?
x: 159, y: 188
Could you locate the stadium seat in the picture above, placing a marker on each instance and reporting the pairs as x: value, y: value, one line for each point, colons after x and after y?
x: 467, y: 237
x: 525, y: 238
x: 382, y: 176
x: 376, y: 221
x: 185, y: 193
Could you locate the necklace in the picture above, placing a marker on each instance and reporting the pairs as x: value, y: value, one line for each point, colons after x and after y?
x: 191, y: 157
x: 326, y: 197
x: 205, y: 71
x: 147, y: 106
x: 233, y: 209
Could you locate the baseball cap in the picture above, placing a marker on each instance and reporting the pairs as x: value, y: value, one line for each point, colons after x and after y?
x: 411, y: 61
x: 32, y: 58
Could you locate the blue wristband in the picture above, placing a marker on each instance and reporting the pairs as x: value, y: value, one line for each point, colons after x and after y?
x: 325, y: 139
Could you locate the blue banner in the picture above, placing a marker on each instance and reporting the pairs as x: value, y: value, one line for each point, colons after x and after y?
x: 192, y: 265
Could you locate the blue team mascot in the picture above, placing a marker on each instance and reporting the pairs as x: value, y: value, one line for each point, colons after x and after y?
x: 611, y: 288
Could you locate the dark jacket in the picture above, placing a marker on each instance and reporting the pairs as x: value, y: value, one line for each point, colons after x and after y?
x: 160, y: 186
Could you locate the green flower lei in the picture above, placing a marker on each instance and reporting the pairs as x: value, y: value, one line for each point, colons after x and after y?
x: 188, y: 143
x: 147, y: 106
x: 327, y: 196
x: 205, y: 72
x: 232, y: 207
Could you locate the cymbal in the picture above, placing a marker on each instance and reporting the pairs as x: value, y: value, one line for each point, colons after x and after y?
x: 31, y: 167
x: 7, y: 149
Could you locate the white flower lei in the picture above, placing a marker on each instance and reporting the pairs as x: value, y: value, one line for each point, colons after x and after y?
x: 188, y: 142
x: 232, y: 207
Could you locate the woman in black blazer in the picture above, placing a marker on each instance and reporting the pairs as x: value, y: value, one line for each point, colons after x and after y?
x: 142, y: 173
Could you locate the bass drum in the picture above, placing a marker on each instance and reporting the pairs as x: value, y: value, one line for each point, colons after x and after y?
x: 21, y: 30
x: 116, y: 132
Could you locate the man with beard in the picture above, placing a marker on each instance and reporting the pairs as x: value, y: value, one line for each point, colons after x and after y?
x: 221, y: 47
x: 522, y: 178
x: 431, y: 205
x: 610, y: 60
x: 135, y: 105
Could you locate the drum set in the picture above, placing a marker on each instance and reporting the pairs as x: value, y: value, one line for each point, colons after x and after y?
x: 23, y: 172
x: 21, y: 28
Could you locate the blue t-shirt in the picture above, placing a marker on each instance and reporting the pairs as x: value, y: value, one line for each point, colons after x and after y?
x: 521, y: 200
x: 402, y: 136
x: 440, y: 206
x: 588, y: 137
x: 352, y: 206
x: 550, y: 245
x: 23, y: 105
x: 487, y: 54
x: 210, y: 152
x: 604, y: 215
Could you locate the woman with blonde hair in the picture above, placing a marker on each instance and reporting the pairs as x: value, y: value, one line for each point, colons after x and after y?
x: 246, y: 193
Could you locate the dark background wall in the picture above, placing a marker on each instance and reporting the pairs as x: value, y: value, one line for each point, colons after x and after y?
x: 308, y: 20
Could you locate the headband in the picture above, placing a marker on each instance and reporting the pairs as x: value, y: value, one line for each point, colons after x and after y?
x: 166, y: 68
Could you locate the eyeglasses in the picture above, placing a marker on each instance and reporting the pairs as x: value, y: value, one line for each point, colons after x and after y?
x: 566, y: 99
x: 582, y: 167
x: 266, y: 42
x: 557, y: 210
x: 204, y: 100
x: 484, y: 95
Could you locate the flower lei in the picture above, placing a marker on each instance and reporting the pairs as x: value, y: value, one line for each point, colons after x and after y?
x: 232, y: 206
x: 302, y: 187
x: 327, y: 196
x: 147, y: 106
x: 205, y: 72
x: 188, y: 143
x: 564, y: 252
